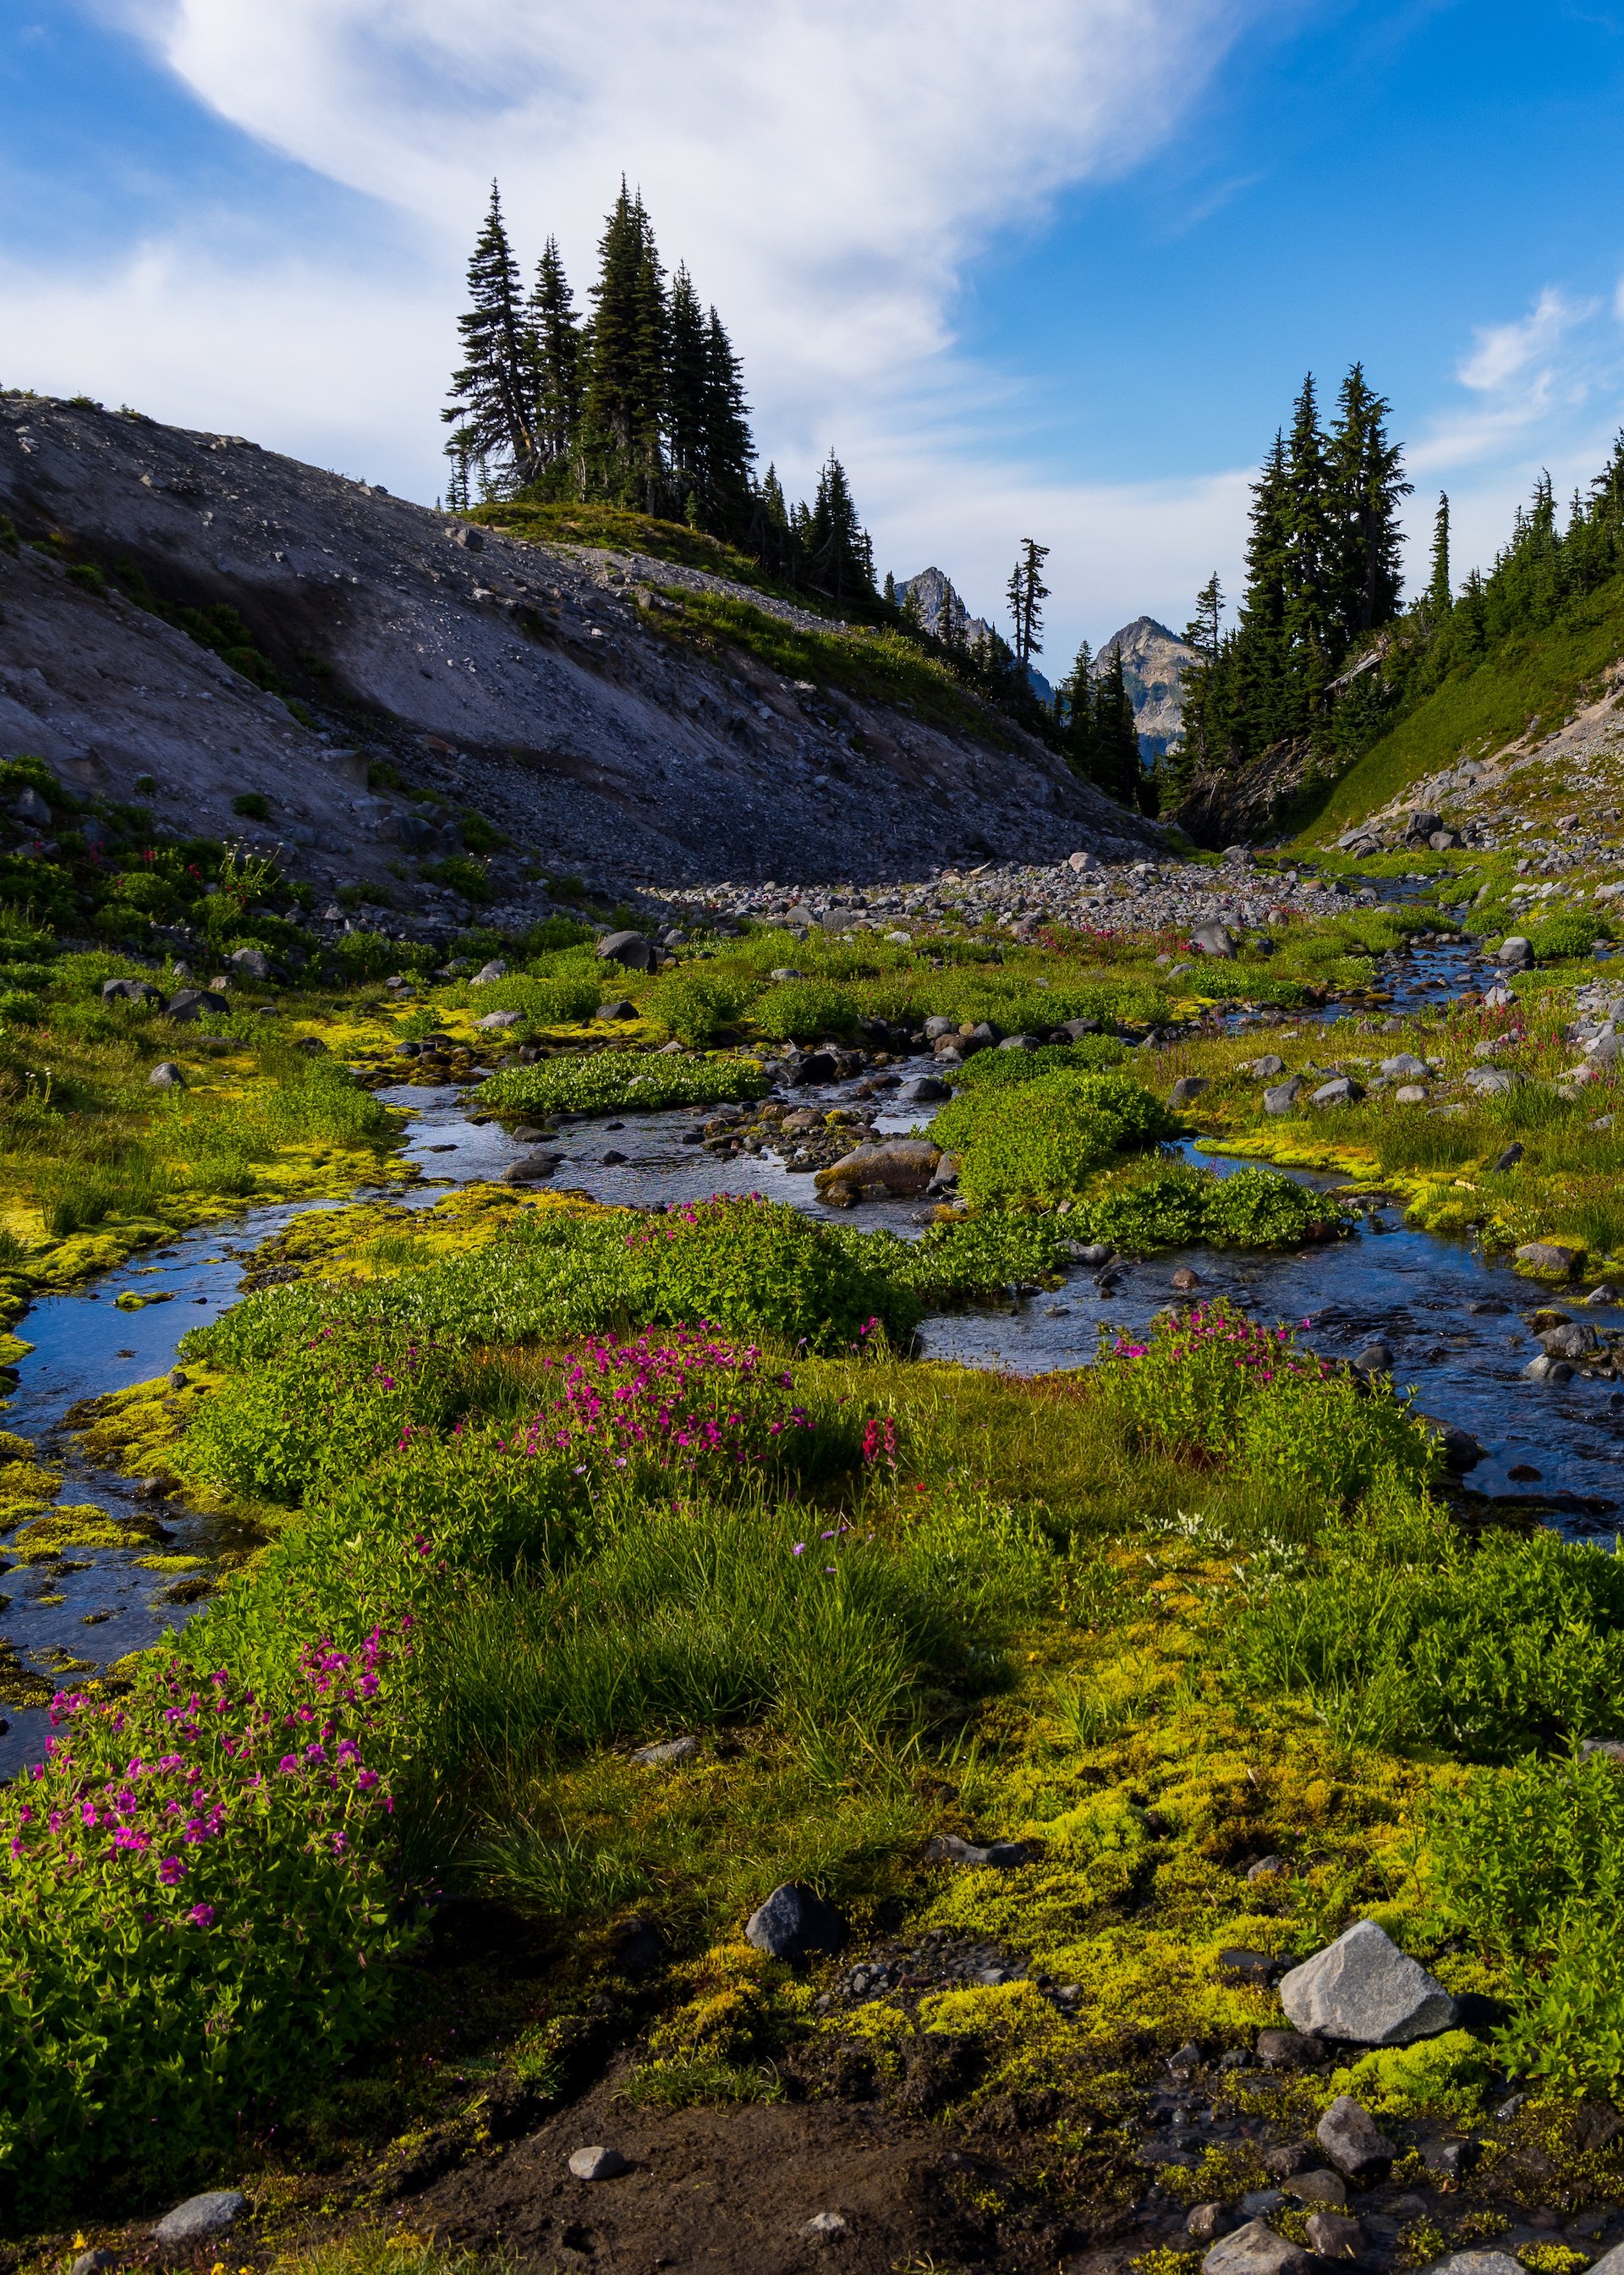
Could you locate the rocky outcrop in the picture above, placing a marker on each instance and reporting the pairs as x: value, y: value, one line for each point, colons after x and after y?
x: 1245, y: 806
x: 1154, y: 661
x: 532, y: 682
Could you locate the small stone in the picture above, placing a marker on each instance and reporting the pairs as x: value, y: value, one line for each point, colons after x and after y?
x: 1188, y: 2057
x: 1254, y: 2249
x: 1269, y: 1868
x: 1284, y: 1095
x: 596, y: 2163
x: 1000, y: 1855
x: 1409, y: 1093
x: 1363, y: 1987
x: 1406, y: 1067
x: 1184, y: 1279
x: 1264, y: 1069
x: 667, y: 1751
x: 1341, y: 1090
x: 494, y: 1021
x: 166, y: 1075
x: 190, y: 1003
x: 94, y: 2263
x: 1289, y: 2050
x: 795, y: 1921
x: 1375, y: 1358
x: 1208, y: 2221
x: 1334, y: 2236
x: 1491, y: 1082
x: 1291, y: 2157
x: 1499, y: 2263
x: 1607, y: 1749
x: 1317, y: 2187
x: 1453, y: 2159
x: 1186, y: 1088
x: 824, y: 2227
x: 198, y: 2217
x: 1348, y: 2134
x: 1240, y: 1966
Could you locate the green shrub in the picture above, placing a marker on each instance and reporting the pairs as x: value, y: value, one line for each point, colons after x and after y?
x: 695, y: 1005
x: 806, y: 1010
x: 1260, y: 1209
x: 1142, y: 1212
x: 252, y: 805
x: 1568, y: 934
x: 609, y: 1081
x: 1044, y: 1140
x: 464, y: 875
x: 567, y: 999
x: 1006, y: 1069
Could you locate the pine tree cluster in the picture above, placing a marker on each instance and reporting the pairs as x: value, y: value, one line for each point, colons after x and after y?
x: 1322, y: 576
x: 1100, y: 735
x: 639, y: 403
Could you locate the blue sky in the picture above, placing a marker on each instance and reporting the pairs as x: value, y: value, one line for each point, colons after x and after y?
x: 1054, y: 268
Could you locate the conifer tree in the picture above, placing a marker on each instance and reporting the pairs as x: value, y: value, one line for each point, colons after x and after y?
x: 1311, y: 645
x: 623, y: 399
x: 839, y: 555
x: 1077, y: 694
x: 1365, y: 483
x: 730, y: 451
x: 1257, y: 660
x: 1119, y: 768
x: 493, y: 390
x: 555, y: 334
x: 685, y: 382
x: 1441, y: 591
x: 1026, y: 594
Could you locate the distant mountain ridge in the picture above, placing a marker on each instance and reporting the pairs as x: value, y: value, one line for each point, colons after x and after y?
x: 938, y: 603
x: 1154, y: 660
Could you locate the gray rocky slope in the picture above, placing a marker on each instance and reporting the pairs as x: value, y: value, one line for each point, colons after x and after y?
x: 521, y: 679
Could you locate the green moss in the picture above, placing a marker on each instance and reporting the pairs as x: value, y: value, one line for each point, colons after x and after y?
x: 1443, y: 2077
x: 81, y: 1525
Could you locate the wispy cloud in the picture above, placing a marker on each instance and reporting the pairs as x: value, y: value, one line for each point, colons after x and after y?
x: 1505, y: 352
x: 1527, y: 378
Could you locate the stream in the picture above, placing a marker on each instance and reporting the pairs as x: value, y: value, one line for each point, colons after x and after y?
x: 1452, y: 1319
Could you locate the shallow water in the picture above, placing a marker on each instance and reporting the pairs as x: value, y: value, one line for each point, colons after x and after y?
x: 1410, y: 1290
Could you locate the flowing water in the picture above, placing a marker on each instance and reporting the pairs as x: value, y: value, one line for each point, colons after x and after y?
x: 1451, y: 1319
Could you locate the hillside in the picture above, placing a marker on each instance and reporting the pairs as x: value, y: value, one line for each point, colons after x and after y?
x: 610, y: 711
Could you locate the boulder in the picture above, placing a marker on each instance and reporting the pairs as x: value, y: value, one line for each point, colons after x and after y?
x: 1501, y: 2262
x: 1364, y: 1988
x: 193, y: 1003
x: 1020, y: 1043
x: 1284, y: 1095
x: 937, y: 1027
x: 1409, y: 1093
x: 1461, y: 1451
x: 29, y: 807
x: 1072, y: 1031
x: 131, y: 991
x: 1421, y: 826
x: 1548, y: 1259
x: 166, y: 1075
x: 1186, y: 1088
x: 1491, y: 1082
x: 530, y: 1168
x: 903, y: 1165
x: 200, y: 2217
x: 495, y: 970
x: 1266, y: 1068
x: 1079, y: 862
x: 925, y: 1090
x: 1575, y: 1340
x: 1341, y: 1090
x: 1349, y: 2136
x: 1206, y: 2222
x: 1317, y: 2187
x: 794, y: 1922
x: 250, y: 964
x: 1515, y: 953
x: 1375, y: 1358
x: 494, y: 1021
x: 1334, y: 2236
x: 620, y: 1007
x: 1406, y: 1068
x: 1545, y: 1369
x: 1288, y: 2049
x: 1213, y: 940
x: 630, y: 949
x: 1507, y: 1158
x: 1255, y: 2249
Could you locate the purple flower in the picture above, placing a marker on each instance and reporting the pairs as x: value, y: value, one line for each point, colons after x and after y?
x: 202, y: 1916
x: 171, y: 1871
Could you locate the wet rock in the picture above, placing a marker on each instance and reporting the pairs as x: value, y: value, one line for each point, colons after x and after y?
x: 1546, y: 1369
x: 1255, y: 2249
x: 166, y: 1075
x: 1606, y: 1293
x: 1284, y: 1095
x: 1213, y: 940
x: 1349, y: 2136
x: 1289, y: 2050
x: 817, y: 1067
x: 200, y: 2217
x: 1184, y: 1279
x: 924, y: 1091
x: 1574, y: 1340
x: 1093, y: 1252
x: 1186, y: 1088
x: 629, y: 948
x: 795, y: 1921
x: 1002, y: 1855
x: 666, y: 1752
x: 1317, y: 2187
x: 904, y: 1165
x: 1341, y: 1090
x: 1549, y: 1259
x: 1461, y: 1451
x: 1363, y: 1987
x: 1334, y: 2236
x: 1375, y: 1358
x: 596, y: 2163
x: 530, y: 1168
x: 1207, y: 2222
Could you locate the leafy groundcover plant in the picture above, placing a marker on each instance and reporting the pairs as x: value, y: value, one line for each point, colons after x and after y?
x: 198, y: 1912
x: 604, y: 1080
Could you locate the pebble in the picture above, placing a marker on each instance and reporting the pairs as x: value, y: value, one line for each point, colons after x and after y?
x: 824, y: 2227
x: 668, y: 1751
x: 596, y: 2163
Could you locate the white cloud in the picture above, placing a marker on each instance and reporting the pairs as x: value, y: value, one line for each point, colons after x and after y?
x: 1529, y: 378
x: 1504, y: 352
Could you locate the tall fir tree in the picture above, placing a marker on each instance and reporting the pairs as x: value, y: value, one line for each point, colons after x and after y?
x: 1312, y: 643
x: 685, y: 392
x: 1256, y: 708
x: 838, y: 557
x: 1118, y: 769
x: 1366, y: 478
x: 1077, y: 720
x: 622, y: 408
x: 555, y: 334
x: 1026, y: 594
x: 1441, y: 590
x: 493, y: 390
x: 729, y: 449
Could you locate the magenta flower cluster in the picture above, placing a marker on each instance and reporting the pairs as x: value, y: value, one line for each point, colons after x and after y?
x: 166, y: 1801
x: 688, y: 1398
x: 1206, y: 1332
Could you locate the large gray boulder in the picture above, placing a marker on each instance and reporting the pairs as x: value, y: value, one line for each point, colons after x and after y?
x: 1364, y: 1988
x: 192, y: 1003
x: 1213, y: 940
x: 1501, y: 2262
x: 1254, y: 2249
x: 795, y: 1921
x: 198, y: 2217
x: 1284, y: 1095
x: 1515, y: 953
x: 904, y: 1164
x: 629, y: 949
x: 1341, y: 1090
x: 1406, y: 1068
